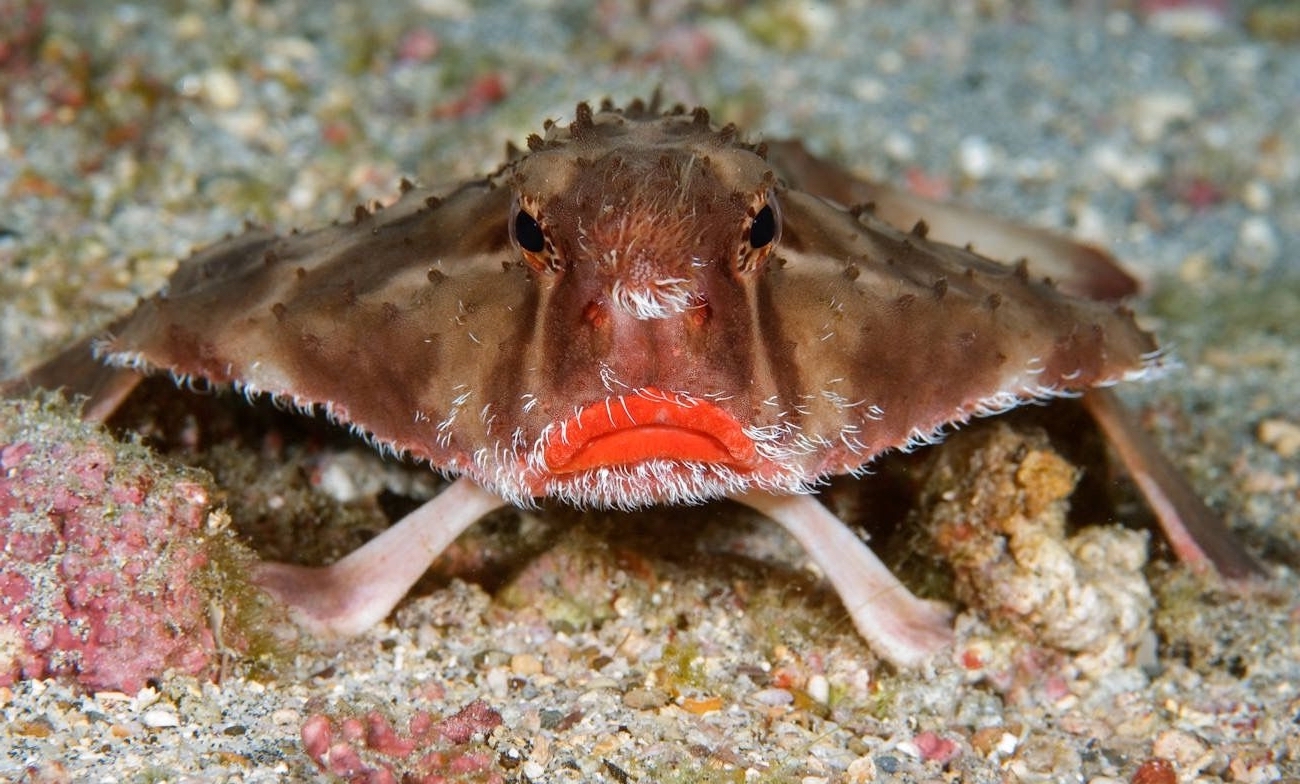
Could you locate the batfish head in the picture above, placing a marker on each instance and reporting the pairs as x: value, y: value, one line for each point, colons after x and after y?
x: 646, y: 236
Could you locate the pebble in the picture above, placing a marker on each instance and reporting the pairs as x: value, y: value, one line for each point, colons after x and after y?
x: 1152, y: 114
x: 772, y: 697
x: 350, y: 476
x: 869, y: 90
x: 819, y: 689
x: 39, y: 727
x: 221, y: 89
x: 1257, y: 244
x: 900, y: 146
x: 1257, y: 196
x: 645, y: 699
x: 1155, y: 771
x: 861, y: 771
x: 158, y: 718
x: 189, y: 27
x: 525, y: 664
x: 1182, y: 747
x: 994, y: 740
x: 1092, y: 225
x: 976, y: 157
x: 1190, y: 21
x: 498, y: 681
x: 1129, y: 169
x: 1280, y: 435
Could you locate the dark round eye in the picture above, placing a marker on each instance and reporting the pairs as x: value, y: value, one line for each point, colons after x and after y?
x: 528, y: 233
x: 763, y: 228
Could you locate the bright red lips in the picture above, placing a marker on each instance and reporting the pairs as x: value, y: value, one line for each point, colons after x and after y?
x: 648, y: 426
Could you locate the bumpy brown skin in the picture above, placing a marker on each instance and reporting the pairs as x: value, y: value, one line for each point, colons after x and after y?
x: 429, y: 329
x: 634, y: 256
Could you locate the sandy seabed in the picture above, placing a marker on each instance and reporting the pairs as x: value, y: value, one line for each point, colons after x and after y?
x: 558, y: 646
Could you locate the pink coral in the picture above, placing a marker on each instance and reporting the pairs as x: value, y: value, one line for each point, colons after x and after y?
x: 370, y: 750
x: 105, y: 564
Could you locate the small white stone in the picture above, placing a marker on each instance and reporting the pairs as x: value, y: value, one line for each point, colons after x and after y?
x: 1257, y: 244
x: 1130, y: 170
x: 1257, y: 196
x: 1153, y: 113
x: 1091, y: 225
x: 869, y: 90
x: 498, y: 681
x: 819, y: 689
x: 900, y: 146
x: 145, y: 698
x: 351, y: 476
x: 976, y: 157
x: 773, y: 697
x: 1007, y: 744
x: 221, y: 89
x: 285, y: 717
x: 160, y: 717
x: 303, y: 194
x: 1189, y: 22
x: 1182, y: 747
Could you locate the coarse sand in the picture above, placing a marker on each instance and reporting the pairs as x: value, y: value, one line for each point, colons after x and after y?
x: 695, y: 646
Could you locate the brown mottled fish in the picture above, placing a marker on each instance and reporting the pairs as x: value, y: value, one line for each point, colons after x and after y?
x: 644, y: 309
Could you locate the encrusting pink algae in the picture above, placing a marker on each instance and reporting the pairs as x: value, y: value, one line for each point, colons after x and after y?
x: 110, y: 568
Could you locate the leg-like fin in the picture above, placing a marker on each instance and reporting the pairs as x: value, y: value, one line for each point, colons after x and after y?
x: 1196, y: 534
x: 903, y: 628
x: 355, y: 593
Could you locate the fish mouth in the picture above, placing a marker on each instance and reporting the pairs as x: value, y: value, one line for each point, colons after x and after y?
x: 644, y: 426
